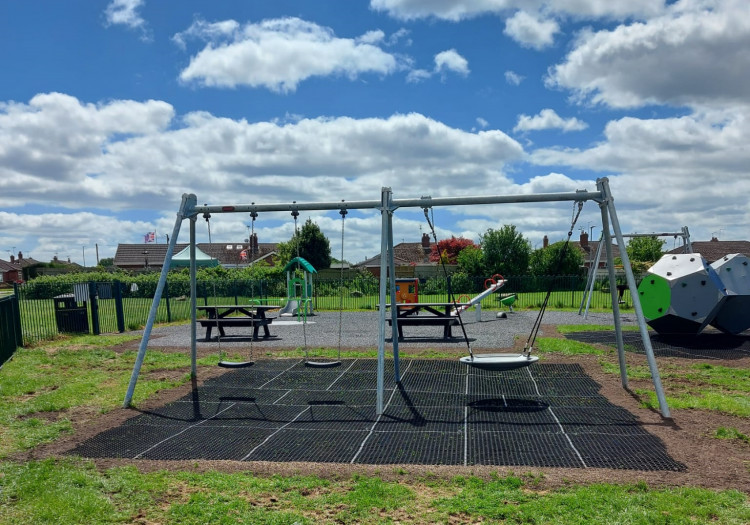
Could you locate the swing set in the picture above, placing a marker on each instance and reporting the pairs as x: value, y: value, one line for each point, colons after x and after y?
x: 496, y: 362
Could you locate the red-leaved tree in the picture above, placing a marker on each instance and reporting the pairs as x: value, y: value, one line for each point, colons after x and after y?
x: 449, y: 249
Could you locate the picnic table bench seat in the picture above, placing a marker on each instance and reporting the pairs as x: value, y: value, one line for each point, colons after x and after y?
x: 222, y: 322
x: 425, y: 320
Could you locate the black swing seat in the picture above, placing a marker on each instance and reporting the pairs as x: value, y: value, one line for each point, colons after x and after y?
x: 499, y: 362
x: 236, y: 364
x: 322, y: 364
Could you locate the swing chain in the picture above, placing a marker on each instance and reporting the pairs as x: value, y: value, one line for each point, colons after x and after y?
x: 451, y: 298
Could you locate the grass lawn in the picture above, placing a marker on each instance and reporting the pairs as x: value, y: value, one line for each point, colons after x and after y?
x: 42, y: 388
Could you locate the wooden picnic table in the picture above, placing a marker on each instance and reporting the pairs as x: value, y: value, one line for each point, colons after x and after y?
x: 223, y: 315
x: 432, y: 314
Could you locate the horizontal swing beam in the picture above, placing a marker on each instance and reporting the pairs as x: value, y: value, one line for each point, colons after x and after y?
x: 422, y: 202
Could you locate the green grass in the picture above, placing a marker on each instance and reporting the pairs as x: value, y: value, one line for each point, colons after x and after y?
x: 41, y: 386
x: 73, y: 491
x: 547, y: 345
x: 699, y: 386
x: 731, y: 433
x: 571, y: 328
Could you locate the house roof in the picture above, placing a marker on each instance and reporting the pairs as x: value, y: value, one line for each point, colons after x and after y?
x: 404, y: 253
x: 588, y: 249
x: 133, y: 256
x: 715, y: 249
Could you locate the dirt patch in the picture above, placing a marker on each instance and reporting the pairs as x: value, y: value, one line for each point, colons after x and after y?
x: 688, y: 436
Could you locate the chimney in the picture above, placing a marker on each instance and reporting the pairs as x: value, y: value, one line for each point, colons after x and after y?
x: 12, y: 258
x: 54, y: 259
x: 20, y: 256
x: 254, y: 242
x: 584, y: 240
x: 545, y: 242
x: 425, y: 241
x: 713, y: 239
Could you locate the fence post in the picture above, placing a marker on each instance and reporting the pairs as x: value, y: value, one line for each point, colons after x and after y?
x: 94, y: 308
x: 119, y: 310
x: 17, y: 316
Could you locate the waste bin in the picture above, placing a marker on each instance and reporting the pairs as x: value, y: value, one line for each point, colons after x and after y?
x: 70, y: 317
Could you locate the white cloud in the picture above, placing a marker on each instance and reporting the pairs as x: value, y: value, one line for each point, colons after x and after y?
x: 455, y: 10
x: 694, y: 55
x: 482, y: 123
x: 530, y: 31
x: 125, y: 12
x: 445, y: 61
x: 692, y: 168
x: 513, y: 78
x: 548, y: 119
x: 450, y: 60
x: 278, y: 54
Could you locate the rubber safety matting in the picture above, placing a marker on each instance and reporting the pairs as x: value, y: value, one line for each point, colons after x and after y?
x: 441, y: 413
x: 706, y: 345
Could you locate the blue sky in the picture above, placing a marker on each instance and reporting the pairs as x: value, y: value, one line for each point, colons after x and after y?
x: 111, y: 110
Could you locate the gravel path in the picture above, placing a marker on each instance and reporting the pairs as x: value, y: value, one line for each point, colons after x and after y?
x: 360, y: 330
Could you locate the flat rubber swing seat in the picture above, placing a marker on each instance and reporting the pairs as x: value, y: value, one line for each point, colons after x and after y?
x: 322, y: 364
x: 236, y: 364
x: 499, y: 362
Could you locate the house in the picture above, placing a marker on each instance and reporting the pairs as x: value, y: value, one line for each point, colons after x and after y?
x: 150, y: 257
x: 411, y: 259
x: 12, y: 271
x: 715, y: 249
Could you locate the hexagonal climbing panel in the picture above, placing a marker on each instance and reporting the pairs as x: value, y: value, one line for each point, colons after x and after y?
x: 734, y: 315
x: 681, y: 294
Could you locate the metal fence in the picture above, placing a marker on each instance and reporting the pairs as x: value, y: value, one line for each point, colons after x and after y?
x: 10, y: 327
x: 109, y: 307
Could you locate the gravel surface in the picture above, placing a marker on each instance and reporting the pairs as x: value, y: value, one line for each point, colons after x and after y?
x: 360, y: 330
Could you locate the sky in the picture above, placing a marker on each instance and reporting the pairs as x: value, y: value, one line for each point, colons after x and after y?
x: 111, y: 110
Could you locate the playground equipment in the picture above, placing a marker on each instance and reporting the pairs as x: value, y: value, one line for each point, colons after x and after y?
x: 387, y: 205
x: 734, y: 272
x: 683, y: 294
x: 684, y: 233
x: 491, y: 285
x: 299, y: 290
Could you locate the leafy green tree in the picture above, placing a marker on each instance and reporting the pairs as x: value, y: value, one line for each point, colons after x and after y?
x: 645, y: 249
x: 546, y: 261
x: 107, y: 262
x: 471, y: 261
x: 506, y: 251
x: 313, y: 247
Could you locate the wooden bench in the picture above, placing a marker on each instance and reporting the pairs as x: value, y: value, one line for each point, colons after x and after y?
x: 425, y: 320
x: 222, y: 322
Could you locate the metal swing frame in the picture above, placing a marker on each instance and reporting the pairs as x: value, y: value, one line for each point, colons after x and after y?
x: 189, y: 210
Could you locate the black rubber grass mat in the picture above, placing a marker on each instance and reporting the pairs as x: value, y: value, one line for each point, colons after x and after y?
x: 416, y: 448
x: 705, y: 345
x: 442, y: 413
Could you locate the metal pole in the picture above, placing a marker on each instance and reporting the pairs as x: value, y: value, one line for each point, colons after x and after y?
x: 403, y: 203
x: 188, y: 203
x: 603, y: 186
x: 593, y: 270
x: 385, y: 211
x: 613, y: 294
x: 392, y: 292
x: 193, y: 302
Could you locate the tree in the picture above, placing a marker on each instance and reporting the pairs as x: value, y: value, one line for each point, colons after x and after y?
x: 471, y: 261
x: 546, y: 261
x: 313, y: 247
x: 645, y: 249
x: 449, y: 249
x: 506, y: 251
x: 107, y: 262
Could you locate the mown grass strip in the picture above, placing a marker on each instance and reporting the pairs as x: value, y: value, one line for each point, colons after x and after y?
x: 74, y: 491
